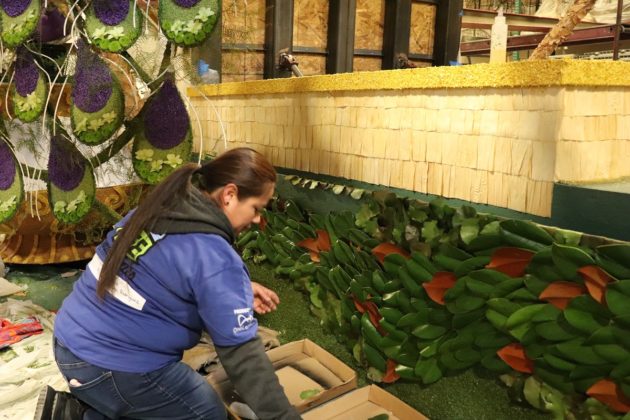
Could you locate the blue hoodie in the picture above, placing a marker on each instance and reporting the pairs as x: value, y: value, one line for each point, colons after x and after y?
x: 170, y: 287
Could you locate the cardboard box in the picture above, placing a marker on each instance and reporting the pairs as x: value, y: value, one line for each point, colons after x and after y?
x: 362, y: 404
x: 302, y: 367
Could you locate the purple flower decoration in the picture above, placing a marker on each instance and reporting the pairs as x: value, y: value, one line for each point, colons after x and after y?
x: 66, y: 165
x: 92, y: 81
x: 7, y: 166
x: 111, y: 12
x: 166, y: 120
x: 51, y: 25
x: 186, y: 3
x: 26, y: 74
x: 14, y: 8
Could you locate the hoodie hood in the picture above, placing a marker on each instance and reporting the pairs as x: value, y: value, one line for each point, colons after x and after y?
x: 195, y: 214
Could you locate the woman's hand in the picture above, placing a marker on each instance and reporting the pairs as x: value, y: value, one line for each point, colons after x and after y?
x: 265, y: 300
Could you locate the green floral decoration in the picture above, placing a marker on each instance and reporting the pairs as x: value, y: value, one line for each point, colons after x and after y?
x: 16, y: 30
x: 94, y: 128
x: 114, y: 38
x: 188, y: 26
x: 12, y: 196
x: 28, y: 108
x: 153, y: 164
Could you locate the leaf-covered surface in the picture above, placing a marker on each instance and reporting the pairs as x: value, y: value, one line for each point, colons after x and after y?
x: 493, y: 297
x: 11, y: 183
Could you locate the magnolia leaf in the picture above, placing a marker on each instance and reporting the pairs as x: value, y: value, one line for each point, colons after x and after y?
x: 338, y: 189
x: 357, y: 193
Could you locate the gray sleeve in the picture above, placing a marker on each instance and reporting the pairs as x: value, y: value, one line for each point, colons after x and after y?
x: 254, y: 378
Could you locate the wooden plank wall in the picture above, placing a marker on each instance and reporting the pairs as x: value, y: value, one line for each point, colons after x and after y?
x: 422, y: 30
x: 243, y: 23
x: 370, y: 18
x: 310, y: 29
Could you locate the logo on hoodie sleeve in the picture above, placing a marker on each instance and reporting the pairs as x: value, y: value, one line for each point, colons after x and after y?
x: 244, y: 320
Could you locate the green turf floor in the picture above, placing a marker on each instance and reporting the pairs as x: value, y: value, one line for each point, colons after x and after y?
x: 469, y: 395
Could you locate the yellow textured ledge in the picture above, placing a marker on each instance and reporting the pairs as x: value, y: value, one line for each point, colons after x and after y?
x: 511, y: 75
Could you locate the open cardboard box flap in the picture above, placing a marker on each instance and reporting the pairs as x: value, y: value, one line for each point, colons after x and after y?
x: 362, y: 404
x: 303, y: 365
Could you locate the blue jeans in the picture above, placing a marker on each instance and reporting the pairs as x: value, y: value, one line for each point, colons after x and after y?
x: 172, y: 392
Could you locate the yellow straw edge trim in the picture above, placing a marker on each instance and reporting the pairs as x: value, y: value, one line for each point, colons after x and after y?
x: 544, y: 73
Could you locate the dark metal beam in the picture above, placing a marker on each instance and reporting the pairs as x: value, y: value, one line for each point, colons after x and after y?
x: 529, y: 42
x: 396, y: 31
x: 448, y: 25
x: 278, y: 36
x: 341, y: 22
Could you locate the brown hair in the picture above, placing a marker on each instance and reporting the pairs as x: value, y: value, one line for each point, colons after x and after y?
x: 250, y: 171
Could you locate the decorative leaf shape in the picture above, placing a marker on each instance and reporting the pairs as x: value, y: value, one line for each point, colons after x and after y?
x: 514, y: 355
x: 618, y: 297
x: 568, y: 259
x: 188, y: 22
x: 98, y: 104
x: 442, y: 281
x: 609, y: 393
x: 18, y: 20
x: 390, y: 374
x: 316, y: 245
x: 523, y: 234
x: 30, y: 89
x: 110, y: 24
x: 11, y: 183
x: 165, y: 142
x: 386, y: 248
x: 595, y: 280
x: 71, y: 185
x: 615, y: 259
x: 511, y: 261
x: 559, y: 293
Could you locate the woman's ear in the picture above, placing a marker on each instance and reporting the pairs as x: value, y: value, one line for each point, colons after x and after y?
x: 228, y: 194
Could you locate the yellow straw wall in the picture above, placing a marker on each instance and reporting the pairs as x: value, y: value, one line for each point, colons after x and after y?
x: 491, y: 134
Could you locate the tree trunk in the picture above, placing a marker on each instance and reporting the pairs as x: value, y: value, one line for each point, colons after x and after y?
x: 563, y: 29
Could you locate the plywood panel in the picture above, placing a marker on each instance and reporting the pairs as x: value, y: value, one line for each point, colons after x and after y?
x: 233, y: 62
x: 310, y: 23
x: 312, y: 64
x: 366, y: 63
x: 370, y: 17
x: 422, y: 28
x: 243, y: 21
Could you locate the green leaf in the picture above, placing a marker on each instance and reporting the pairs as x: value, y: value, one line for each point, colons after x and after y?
x: 525, y: 234
x: 428, y: 370
x: 338, y: 189
x: 309, y: 393
x: 567, y: 237
x: 469, y: 230
x: 569, y: 259
x: 357, y: 193
x: 430, y: 231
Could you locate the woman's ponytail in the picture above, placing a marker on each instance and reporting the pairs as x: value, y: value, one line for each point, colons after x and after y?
x: 172, y: 189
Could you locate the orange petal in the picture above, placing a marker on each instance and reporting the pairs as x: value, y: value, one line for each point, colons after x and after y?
x: 439, y: 285
x: 358, y: 305
x: 391, y: 375
x: 514, y: 355
x: 262, y: 224
x: 384, y: 249
x: 314, y: 256
x: 511, y: 261
x: 609, y: 393
x: 595, y: 280
x: 559, y: 293
x: 323, y: 240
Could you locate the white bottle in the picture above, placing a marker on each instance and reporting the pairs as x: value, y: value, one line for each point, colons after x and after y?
x: 498, y: 40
